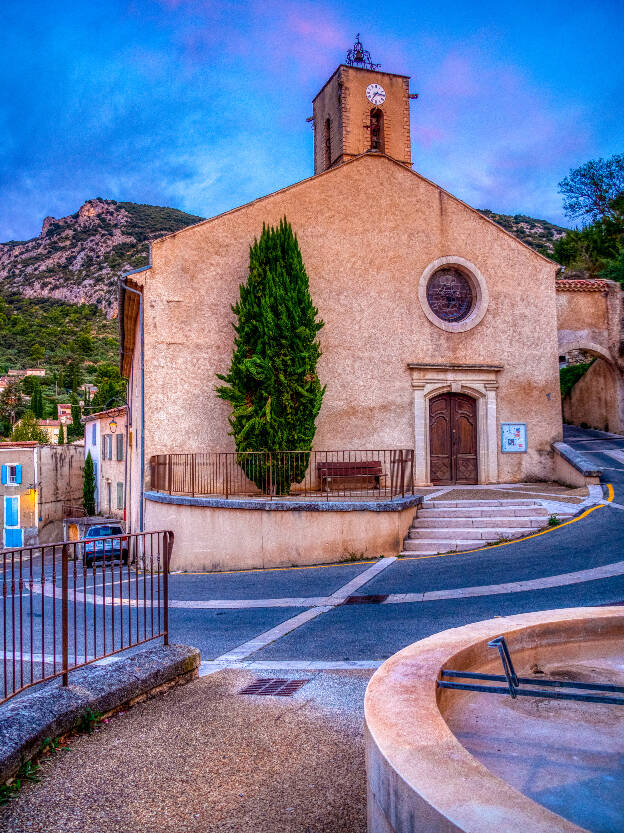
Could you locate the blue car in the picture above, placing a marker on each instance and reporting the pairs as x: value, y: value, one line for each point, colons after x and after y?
x: 109, y: 549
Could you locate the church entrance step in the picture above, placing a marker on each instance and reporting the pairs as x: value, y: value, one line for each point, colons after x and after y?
x: 532, y: 522
x: 468, y: 533
x: 482, y: 512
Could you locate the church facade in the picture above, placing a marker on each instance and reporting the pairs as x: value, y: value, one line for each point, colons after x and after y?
x: 440, y: 327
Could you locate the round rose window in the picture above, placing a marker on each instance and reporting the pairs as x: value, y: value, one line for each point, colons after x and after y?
x: 450, y: 294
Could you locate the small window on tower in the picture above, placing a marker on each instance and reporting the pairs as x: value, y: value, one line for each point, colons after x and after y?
x: 327, y: 143
x: 377, y: 130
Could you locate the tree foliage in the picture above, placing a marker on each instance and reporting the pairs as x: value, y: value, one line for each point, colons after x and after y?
x: 29, y: 431
x: 272, y: 384
x: 61, y: 435
x: 598, y: 247
x: 11, y: 403
x: 569, y: 376
x: 111, y: 391
x: 589, y: 190
x: 88, y: 486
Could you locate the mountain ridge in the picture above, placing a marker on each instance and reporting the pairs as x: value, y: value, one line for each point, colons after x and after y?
x: 79, y: 258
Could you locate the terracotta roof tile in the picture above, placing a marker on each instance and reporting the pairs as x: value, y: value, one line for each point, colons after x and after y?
x: 581, y: 285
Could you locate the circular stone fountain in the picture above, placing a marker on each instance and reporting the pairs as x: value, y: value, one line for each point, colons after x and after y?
x: 450, y: 760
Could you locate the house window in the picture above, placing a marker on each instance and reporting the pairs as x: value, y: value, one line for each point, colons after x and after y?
x: 11, y: 475
x: 120, y: 446
x: 120, y: 496
x: 13, y: 535
x: 103, y: 446
x: 377, y: 130
x: 93, y: 434
x: 108, y: 496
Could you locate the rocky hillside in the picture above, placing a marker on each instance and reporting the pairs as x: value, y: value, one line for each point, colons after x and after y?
x: 538, y: 234
x: 79, y: 258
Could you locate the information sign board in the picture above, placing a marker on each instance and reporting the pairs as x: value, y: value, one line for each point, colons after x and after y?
x: 513, y: 436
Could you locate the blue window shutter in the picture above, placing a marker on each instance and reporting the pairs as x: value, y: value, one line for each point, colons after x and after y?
x: 4, y: 475
x: 14, y: 537
x: 11, y: 512
x: 19, y: 474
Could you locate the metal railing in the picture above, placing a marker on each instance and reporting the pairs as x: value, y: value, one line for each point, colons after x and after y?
x: 381, y: 474
x: 66, y: 605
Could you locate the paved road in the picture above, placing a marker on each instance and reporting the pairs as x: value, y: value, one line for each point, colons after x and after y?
x: 371, y: 632
x: 298, y: 616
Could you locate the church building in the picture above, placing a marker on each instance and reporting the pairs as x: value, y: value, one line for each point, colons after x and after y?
x: 440, y: 327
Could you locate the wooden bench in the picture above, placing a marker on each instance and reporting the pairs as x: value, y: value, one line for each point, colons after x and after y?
x: 348, y: 470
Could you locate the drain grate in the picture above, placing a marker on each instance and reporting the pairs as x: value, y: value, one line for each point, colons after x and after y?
x: 372, y: 599
x: 274, y: 686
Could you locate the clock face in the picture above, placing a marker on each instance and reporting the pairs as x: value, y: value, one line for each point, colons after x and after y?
x: 376, y: 94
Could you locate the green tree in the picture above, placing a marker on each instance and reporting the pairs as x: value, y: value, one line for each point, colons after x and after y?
x: 75, y: 430
x: 111, y: 389
x: 37, y: 354
x: 84, y: 344
x: 28, y: 430
x: 88, y: 486
x: 614, y: 269
x: 61, y: 436
x: 589, y: 190
x: 272, y: 384
x: 36, y: 401
x: 11, y: 402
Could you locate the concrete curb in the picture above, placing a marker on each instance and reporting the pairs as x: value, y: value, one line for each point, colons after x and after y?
x: 53, y: 710
x: 578, y: 460
x: 397, y: 504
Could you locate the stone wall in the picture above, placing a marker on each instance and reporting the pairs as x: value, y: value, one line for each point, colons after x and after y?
x: 217, y: 535
x: 595, y: 399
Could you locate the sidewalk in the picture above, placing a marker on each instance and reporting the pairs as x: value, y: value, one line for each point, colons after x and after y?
x: 204, y: 758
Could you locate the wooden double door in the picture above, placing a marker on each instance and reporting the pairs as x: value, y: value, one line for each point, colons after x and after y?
x: 453, y: 439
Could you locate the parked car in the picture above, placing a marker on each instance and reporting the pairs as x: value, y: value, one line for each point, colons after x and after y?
x: 108, y: 548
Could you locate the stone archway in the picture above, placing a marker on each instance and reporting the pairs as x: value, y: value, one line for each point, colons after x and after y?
x: 597, y: 399
x: 589, y: 319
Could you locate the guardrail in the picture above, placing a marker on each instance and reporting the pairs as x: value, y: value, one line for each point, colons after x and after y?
x: 381, y: 474
x: 66, y: 605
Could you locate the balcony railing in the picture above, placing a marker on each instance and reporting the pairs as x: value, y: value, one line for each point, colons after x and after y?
x: 381, y: 474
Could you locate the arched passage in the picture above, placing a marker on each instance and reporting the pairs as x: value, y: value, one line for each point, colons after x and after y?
x: 597, y: 398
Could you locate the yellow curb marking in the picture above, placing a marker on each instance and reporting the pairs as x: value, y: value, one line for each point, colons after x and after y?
x: 610, y: 493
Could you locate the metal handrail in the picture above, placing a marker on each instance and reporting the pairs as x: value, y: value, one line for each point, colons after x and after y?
x: 118, y: 601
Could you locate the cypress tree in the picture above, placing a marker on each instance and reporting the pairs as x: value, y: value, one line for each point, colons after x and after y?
x: 88, y: 486
x: 61, y: 436
x: 36, y: 401
x: 272, y: 383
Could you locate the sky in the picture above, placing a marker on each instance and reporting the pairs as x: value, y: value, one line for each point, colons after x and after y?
x: 202, y: 106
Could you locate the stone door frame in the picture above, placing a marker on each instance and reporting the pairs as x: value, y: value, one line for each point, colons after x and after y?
x: 479, y: 381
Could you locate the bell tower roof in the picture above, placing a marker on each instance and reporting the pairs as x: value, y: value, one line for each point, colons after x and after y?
x: 361, y: 109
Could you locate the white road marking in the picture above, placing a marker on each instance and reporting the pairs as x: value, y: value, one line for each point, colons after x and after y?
x: 548, y: 582
x: 308, y: 666
x: 336, y: 598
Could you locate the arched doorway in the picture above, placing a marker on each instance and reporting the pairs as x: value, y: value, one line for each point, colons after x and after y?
x: 453, y: 454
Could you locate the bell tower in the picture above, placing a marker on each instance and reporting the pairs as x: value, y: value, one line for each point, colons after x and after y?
x: 359, y: 110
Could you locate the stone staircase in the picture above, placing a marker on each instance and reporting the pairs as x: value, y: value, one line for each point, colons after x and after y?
x: 446, y: 525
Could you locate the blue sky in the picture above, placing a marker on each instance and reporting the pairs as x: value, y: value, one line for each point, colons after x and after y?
x: 202, y: 106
